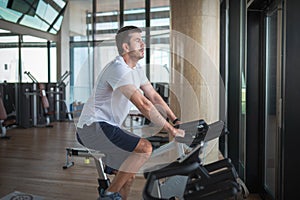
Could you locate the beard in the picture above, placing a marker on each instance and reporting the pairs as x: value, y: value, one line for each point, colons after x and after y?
x: 137, y: 54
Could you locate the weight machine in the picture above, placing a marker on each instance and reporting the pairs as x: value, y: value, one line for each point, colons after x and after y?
x: 56, y: 97
x: 43, y: 100
x: 3, y: 116
x: 7, y: 109
x: 60, y: 100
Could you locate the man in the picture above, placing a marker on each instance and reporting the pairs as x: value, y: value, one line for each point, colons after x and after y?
x: 117, y: 87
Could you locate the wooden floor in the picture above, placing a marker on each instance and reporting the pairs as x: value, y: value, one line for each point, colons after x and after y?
x: 31, y: 162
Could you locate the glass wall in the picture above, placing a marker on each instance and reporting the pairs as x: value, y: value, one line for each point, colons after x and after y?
x: 82, y: 86
x: 242, y: 91
x: 9, y: 67
x: 26, y: 53
x: 135, y: 15
x: 37, y: 67
x: 81, y: 50
x: 107, y: 24
x: 94, y: 24
x: 159, y: 45
x: 271, y: 105
x: 53, y: 62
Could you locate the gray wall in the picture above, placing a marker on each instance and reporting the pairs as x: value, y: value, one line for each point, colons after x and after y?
x: 291, y: 135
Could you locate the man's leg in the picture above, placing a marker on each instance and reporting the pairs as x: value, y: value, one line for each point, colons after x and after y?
x: 125, y: 190
x: 123, y: 179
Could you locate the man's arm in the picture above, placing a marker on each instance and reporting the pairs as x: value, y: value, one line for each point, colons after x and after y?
x: 157, y: 100
x: 147, y: 108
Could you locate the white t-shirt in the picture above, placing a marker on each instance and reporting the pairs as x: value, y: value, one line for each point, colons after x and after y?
x: 107, y: 104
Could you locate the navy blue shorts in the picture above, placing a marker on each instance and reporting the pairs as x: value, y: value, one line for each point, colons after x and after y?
x: 121, y: 138
x: 117, y: 144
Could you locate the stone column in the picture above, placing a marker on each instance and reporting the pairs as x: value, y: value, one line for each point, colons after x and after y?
x: 62, y: 50
x: 195, y: 76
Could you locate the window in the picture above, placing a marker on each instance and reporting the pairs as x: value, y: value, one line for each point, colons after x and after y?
x: 159, y: 43
x: 32, y: 48
x: 44, y: 15
x: 9, y: 57
x: 13, y: 63
x: 93, y: 39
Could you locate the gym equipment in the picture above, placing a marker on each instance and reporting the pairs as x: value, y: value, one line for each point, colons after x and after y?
x: 56, y: 97
x: 23, y: 104
x: 26, y: 102
x: 60, y: 98
x: 44, y: 101
x: 188, y: 178
x: 7, y: 93
x: 3, y: 117
x: 6, y: 120
x: 185, y: 178
x: 162, y: 88
x: 103, y: 179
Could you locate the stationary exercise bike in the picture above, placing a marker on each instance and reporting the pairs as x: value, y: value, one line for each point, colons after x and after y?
x: 188, y: 178
x: 185, y: 178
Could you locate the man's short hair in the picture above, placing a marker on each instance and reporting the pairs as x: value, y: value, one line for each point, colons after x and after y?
x: 123, y: 36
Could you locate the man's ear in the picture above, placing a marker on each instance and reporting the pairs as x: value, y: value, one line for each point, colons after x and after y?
x: 125, y: 47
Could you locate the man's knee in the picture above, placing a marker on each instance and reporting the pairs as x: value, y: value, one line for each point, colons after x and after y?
x: 144, y: 146
x: 131, y: 179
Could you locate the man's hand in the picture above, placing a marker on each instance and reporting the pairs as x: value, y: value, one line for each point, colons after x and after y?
x: 178, y: 132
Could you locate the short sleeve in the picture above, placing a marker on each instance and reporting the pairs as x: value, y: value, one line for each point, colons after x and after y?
x: 143, y: 78
x: 118, y: 76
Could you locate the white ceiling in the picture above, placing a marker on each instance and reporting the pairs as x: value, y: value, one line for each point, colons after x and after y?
x: 112, y: 5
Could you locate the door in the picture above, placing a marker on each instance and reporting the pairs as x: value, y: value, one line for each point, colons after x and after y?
x: 273, y: 94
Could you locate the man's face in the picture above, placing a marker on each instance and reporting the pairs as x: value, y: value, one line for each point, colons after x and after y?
x: 136, y: 46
